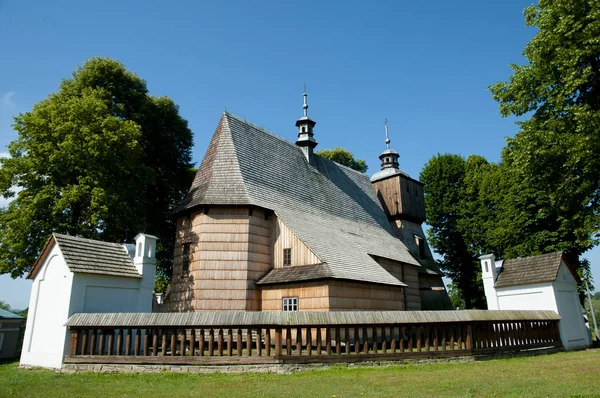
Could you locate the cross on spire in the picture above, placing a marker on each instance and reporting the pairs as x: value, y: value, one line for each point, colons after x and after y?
x: 387, y: 138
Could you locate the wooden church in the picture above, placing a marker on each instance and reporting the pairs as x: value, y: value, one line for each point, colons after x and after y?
x: 268, y: 225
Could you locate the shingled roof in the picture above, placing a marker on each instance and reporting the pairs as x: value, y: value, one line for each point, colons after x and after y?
x: 331, y: 208
x: 89, y: 256
x: 530, y: 270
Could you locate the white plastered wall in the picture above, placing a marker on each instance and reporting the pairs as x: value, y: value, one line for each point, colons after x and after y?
x: 45, y: 342
x: 57, y: 293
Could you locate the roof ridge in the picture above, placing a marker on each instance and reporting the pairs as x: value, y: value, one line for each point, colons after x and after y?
x: 79, y: 238
x: 262, y: 129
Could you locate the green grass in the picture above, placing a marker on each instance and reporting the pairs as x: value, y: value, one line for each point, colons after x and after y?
x: 562, y: 374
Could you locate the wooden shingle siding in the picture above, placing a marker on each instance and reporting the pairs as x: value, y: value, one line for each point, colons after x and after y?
x: 408, y: 274
x: 402, y: 196
x: 284, y: 238
x: 312, y: 296
x: 363, y: 296
x: 230, y: 250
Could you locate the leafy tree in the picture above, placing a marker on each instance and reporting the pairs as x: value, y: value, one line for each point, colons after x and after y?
x: 553, y: 201
x: 4, y: 305
x: 344, y: 157
x: 101, y: 159
x: 446, y: 201
x: 23, y: 313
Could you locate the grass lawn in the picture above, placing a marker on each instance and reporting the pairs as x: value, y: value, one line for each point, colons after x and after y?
x: 562, y: 374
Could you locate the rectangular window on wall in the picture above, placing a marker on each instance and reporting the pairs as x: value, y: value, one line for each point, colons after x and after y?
x: 287, y: 256
x: 290, y: 304
x: 185, y: 259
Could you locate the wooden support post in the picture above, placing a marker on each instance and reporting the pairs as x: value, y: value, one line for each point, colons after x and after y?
x: 383, y: 340
x: 347, y: 340
x: 356, y: 341
x: 365, y: 336
x: 288, y: 341
x: 309, y: 341
x: 268, y: 342
x: 182, y: 343
x: 211, y: 342
x: 249, y: 342
x: 427, y: 341
x: 111, y: 339
x: 469, y: 338
x: 298, y: 341
x: 136, y: 344
x: 73, y: 344
x: 127, y: 333
x: 220, y: 342
x: 443, y: 331
x: 93, y: 342
x: 277, y: 342
x: 258, y: 342
x: 193, y: 342
x: 459, y: 337
x: 410, y: 338
x: 319, y: 342
x: 418, y: 338
x: 435, y: 339
x: 451, y: 338
x: 146, y: 342
x: 173, y: 342
x: 229, y: 342
x: 393, y: 339
x: 338, y: 340
x: 84, y: 341
x: 163, y: 347
x: 328, y: 340
x: 401, y: 334
x: 239, y: 345
x: 119, y: 341
x: 375, y: 342
x: 101, y: 343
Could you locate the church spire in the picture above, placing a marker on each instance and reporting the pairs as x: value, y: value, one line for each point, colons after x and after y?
x: 389, y: 157
x: 305, y: 131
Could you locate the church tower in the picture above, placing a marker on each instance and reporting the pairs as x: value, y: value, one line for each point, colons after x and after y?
x: 402, y: 198
x: 306, y: 138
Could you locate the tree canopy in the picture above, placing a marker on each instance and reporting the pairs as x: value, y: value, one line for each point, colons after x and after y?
x: 553, y: 200
x: 544, y: 194
x: 101, y: 158
x: 344, y: 157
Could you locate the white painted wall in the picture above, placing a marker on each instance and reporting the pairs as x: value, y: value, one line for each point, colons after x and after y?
x: 45, y: 334
x: 57, y: 293
x: 559, y: 296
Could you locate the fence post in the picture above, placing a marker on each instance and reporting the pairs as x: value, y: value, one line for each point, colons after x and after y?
x: 278, y: 342
x: 469, y: 338
x: 73, y: 346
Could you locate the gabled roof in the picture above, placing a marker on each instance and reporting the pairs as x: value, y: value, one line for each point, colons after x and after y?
x: 531, y: 270
x: 4, y: 314
x: 89, y: 256
x: 331, y: 208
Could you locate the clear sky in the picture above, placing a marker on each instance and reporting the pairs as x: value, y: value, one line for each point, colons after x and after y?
x: 425, y: 66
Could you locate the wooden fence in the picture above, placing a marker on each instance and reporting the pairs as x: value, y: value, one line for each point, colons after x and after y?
x: 255, y: 338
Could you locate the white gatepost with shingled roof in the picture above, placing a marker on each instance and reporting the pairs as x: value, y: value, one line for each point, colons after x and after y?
x: 544, y: 282
x: 74, y: 275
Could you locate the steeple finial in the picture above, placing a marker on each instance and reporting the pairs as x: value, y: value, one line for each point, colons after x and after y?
x: 305, y: 106
x: 305, y: 126
x: 387, y: 138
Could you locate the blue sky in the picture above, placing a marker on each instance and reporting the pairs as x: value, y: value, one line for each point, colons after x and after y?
x: 425, y: 66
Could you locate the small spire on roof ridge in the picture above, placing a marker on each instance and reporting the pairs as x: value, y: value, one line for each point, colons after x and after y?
x: 387, y: 138
x: 305, y: 106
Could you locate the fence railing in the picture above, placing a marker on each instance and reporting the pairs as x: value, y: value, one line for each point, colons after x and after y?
x: 223, y: 338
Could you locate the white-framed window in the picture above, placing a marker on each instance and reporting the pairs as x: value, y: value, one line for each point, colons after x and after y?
x: 290, y: 304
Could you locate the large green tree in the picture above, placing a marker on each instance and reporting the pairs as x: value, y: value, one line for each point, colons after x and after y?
x: 553, y: 201
x: 451, y: 199
x: 101, y: 158
x: 344, y: 157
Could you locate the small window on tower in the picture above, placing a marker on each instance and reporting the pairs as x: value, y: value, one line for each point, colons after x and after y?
x: 421, y: 246
x: 287, y: 256
x: 185, y: 260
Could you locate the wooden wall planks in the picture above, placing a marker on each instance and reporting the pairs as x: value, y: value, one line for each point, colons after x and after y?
x: 284, y: 238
